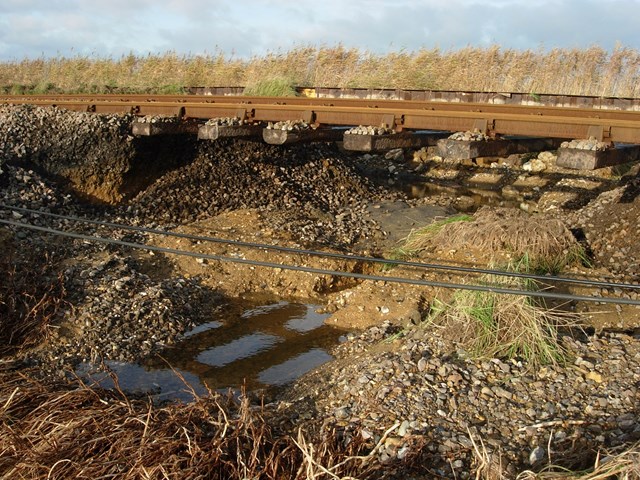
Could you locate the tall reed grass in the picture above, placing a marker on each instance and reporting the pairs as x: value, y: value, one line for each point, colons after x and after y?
x: 589, y: 71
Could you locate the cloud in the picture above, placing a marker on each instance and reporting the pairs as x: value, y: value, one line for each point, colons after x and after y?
x: 31, y: 28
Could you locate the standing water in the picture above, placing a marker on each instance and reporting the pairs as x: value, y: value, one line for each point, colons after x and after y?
x: 263, y: 347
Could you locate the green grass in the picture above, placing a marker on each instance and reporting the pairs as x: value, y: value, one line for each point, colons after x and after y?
x: 507, y: 326
x: 271, y: 87
x: 555, y: 264
x: 418, y: 239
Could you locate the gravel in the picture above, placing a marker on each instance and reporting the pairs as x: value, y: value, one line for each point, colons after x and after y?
x: 369, y: 130
x: 443, y: 402
x: 119, y: 312
x: 589, y: 144
x: 611, y: 228
x: 471, y: 136
x: 289, y: 186
x: 437, y: 403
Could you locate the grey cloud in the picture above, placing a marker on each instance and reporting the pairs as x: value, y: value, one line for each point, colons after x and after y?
x: 112, y: 27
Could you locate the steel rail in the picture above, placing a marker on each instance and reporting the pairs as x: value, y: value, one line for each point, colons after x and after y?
x: 342, y: 256
x: 573, y: 112
x: 561, y: 125
x: 320, y: 271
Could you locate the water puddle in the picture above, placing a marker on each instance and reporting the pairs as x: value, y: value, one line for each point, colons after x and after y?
x: 469, y: 198
x: 262, y: 346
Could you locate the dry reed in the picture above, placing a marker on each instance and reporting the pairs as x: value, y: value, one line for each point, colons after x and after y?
x: 546, y: 242
x: 69, y: 430
x: 31, y: 295
x: 622, y: 465
x: 590, y: 71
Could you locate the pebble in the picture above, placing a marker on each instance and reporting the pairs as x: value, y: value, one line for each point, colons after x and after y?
x: 441, y: 398
x: 471, y: 136
x: 589, y: 144
x: 537, y: 455
x: 369, y: 130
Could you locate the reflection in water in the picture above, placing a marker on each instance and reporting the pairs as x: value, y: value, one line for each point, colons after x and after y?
x: 477, y: 196
x: 307, y: 322
x: 296, y: 367
x: 203, y: 328
x: 161, y: 384
x: 243, y: 347
x: 262, y: 347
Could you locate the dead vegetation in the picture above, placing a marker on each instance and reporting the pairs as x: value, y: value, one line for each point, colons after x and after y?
x: 69, y: 430
x: 31, y: 295
x: 502, y: 233
x: 591, y: 71
x: 621, y: 465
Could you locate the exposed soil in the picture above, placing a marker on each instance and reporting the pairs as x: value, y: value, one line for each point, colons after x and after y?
x: 128, y: 304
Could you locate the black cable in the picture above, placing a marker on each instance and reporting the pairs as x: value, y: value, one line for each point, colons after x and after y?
x: 432, y: 266
x: 481, y: 288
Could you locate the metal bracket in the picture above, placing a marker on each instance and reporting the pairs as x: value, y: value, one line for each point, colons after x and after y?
x: 393, y: 122
x: 388, y: 121
x: 241, y: 113
x: 308, y: 116
x: 600, y: 133
x: 485, y: 126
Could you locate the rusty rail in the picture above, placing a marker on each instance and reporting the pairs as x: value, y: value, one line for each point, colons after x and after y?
x: 539, y: 121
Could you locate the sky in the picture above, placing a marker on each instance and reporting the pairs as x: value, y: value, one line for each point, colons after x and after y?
x: 245, y: 28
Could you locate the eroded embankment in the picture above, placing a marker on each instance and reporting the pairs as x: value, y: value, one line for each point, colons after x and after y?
x: 433, y: 398
x: 95, y: 154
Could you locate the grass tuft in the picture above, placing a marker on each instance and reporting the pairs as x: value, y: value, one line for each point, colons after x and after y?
x: 509, y: 326
x: 418, y: 240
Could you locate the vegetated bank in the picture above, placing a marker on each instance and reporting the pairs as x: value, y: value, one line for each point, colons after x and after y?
x: 408, y: 394
x: 591, y: 71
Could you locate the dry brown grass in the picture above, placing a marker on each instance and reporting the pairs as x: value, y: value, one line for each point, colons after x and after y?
x: 621, y: 465
x: 547, y: 243
x: 589, y: 71
x: 31, y: 295
x: 68, y: 430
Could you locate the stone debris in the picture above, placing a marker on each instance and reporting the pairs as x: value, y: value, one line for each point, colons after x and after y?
x: 445, y: 401
x: 395, y: 155
x: 471, y: 136
x: 290, y: 126
x: 590, y: 144
x: 227, y: 121
x: 369, y: 130
x: 534, y: 165
x: 159, y: 119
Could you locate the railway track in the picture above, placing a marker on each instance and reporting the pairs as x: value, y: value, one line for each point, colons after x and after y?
x: 537, y: 121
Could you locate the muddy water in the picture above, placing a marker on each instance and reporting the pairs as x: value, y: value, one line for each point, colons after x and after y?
x: 263, y: 346
x: 465, y: 198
